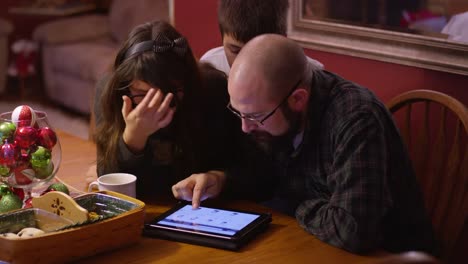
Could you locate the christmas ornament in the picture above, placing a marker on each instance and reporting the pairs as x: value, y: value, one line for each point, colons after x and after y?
x: 30, y: 153
x: 58, y: 187
x: 40, y: 158
x: 25, y: 136
x: 23, y: 174
x: 18, y: 191
x: 44, y: 172
x: 28, y: 203
x: 23, y: 115
x: 4, y: 171
x: 8, y: 154
x: 10, y: 202
x: 46, y: 137
x: 4, y: 189
x: 24, y: 155
x: 7, y: 130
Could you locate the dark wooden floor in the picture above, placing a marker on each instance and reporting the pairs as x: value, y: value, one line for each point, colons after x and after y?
x: 32, y: 93
x: 32, y: 89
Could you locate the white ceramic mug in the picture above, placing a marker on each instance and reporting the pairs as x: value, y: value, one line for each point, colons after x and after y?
x: 124, y: 183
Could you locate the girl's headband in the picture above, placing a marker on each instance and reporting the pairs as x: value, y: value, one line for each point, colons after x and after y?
x: 160, y: 44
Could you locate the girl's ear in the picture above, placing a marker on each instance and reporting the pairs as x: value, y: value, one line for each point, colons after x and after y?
x: 298, y: 99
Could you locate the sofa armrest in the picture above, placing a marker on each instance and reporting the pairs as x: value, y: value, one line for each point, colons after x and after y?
x: 5, y: 27
x: 72, y: 29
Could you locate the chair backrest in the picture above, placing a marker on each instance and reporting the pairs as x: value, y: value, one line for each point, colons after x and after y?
x: 434, y: 127
x: 410, y: 257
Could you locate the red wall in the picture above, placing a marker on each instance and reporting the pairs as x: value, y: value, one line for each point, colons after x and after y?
x: 197, y: 20
x: 388, y: 79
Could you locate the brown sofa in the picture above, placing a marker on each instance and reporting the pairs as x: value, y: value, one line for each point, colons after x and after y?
x: 77, y: 51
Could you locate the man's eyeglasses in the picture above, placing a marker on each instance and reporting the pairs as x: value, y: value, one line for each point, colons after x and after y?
x: 262, y: 120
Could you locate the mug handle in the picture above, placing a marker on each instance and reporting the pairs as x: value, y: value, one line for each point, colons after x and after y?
x: 94, y: 186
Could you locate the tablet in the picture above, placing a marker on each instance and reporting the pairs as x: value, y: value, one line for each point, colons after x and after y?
x: 208, y: 226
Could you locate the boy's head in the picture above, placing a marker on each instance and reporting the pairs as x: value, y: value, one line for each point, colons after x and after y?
x: 241, y: 20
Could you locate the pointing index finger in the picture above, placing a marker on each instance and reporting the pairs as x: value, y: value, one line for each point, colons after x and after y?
x: 198, y: 191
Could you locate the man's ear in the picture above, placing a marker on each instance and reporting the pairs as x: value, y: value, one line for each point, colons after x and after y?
x: 298, y: 99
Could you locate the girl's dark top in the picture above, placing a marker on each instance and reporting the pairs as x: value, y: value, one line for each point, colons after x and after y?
x: 164, y: 162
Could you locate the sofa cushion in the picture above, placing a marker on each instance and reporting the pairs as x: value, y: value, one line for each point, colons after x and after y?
x: 73, y: 29
x: 86, y: 60
x: 125, y: 15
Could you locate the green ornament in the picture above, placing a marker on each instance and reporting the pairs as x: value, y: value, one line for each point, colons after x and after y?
x: 4, y: 190
x: 10, y: 202
x: 40, y: 158
x: 4, y: 171
x: 7, y: 130
x: 43, y: 173
x: 58, y: 187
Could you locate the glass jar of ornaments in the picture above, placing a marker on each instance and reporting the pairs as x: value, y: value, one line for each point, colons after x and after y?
x: 30, y: 155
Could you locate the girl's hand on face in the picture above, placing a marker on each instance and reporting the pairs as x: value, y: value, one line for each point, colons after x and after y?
x: 150, y: 115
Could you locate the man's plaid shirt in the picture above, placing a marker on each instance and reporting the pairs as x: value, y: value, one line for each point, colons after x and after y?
x: 350, y: 181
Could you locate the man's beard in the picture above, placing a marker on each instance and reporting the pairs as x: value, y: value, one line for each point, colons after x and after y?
x: 279, y: 146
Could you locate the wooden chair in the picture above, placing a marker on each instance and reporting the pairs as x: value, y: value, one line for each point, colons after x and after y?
x: 410, y: 257
x: 434, y: 127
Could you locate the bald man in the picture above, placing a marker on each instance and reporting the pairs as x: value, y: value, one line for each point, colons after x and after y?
x: 328, y: 153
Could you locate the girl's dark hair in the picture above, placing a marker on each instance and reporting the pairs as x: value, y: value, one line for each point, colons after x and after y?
x: 160, y: 69
x: 246, y: 19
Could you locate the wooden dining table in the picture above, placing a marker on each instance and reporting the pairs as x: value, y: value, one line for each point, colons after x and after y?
x: 283, y: 242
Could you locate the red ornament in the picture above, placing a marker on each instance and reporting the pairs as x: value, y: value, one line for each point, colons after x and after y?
x: 25, y: 136
x: 23, y: 174
x: 19, y: 192
x: 23, y: 115
x: 46, y: 137
x: 8, y: 154
x: 47, y: 190
x: 24, y: 155
x: 28, y: 203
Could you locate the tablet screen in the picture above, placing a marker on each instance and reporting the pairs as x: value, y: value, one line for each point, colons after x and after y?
x: 212, y: 220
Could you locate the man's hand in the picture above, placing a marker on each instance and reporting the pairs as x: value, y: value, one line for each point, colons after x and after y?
x: 199, y: 187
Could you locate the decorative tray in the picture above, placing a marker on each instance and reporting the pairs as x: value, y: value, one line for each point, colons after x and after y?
x: 121, y: 224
